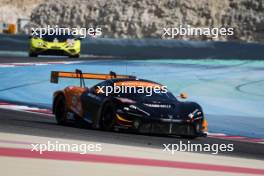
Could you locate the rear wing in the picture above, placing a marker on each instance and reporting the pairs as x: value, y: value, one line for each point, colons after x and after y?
x: 55, y: 75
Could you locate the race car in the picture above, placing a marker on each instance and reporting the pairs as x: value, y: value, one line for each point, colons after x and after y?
x: 63, y: 45
x: 159, y: 113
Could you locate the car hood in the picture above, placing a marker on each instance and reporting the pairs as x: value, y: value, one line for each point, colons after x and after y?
x: 169, y: 109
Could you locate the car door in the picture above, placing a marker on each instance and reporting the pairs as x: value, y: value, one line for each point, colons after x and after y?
x: 92, y: 102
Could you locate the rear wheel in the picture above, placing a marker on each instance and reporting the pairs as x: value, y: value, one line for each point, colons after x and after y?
x: 60, y: 110
x: 108, y: 117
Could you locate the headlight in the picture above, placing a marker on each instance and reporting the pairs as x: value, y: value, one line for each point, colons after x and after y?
x: 40, y: 44
x: 196, y: 113
x: 126, y: 100
x: 70, y: 42
x: 137, y: 109
x: 126, y: 108
x: 133, y: 107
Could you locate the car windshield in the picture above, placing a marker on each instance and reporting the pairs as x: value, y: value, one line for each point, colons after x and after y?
x: 147, y: 94
x: 60, y: 38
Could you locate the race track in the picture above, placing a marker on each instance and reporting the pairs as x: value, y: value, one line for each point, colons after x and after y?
x: 42, y: 125
x: 237, y: 99
x: 230, y: 92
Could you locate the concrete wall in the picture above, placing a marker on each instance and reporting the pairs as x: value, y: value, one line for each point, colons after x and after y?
x: 152, y: 48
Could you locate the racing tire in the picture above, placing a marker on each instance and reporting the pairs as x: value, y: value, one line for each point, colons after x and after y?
x: 60, y: 111
x: 108, y: 117
x: 32, y: 54
x: 188, y: 136
x: 75, y: 56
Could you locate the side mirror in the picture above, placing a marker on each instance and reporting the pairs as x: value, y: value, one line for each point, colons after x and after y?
x: 96, y: 91
x: 183, y: 95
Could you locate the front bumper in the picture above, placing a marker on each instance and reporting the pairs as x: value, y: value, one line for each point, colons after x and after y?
x: 171, y: 128
x: 180, y: 127
x: 60, y: 52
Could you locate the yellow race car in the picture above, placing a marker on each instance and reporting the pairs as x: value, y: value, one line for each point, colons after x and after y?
x: 63, y: 45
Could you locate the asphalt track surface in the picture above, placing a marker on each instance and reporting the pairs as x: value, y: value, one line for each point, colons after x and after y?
x: 42, y: 125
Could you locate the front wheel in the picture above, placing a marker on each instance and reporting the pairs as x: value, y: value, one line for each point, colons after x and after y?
x: 108, y: 117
